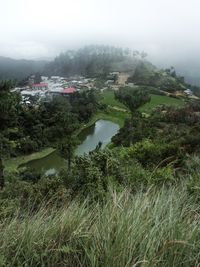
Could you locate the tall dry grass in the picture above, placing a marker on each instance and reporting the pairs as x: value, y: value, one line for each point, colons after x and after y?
x: 156, y: 228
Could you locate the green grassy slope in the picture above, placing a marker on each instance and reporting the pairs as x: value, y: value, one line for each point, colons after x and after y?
x: 160, y: 100
x: 13, y: 163
x: 108, y: 98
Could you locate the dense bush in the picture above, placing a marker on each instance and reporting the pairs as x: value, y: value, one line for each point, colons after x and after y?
x: 148, y: 152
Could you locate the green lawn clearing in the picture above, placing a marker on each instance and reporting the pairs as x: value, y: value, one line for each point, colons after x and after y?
x: 108, y: 98
x: 157, y: 100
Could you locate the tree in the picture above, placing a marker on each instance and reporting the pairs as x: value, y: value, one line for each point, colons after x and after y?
x: 143, y: 55
x: 9, y: 105
x: 8, y: 115
x: 67, y: 148
x: 37, y: 78
x: 132, y: 98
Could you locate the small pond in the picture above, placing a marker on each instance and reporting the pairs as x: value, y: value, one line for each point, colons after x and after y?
x: 102, y: 131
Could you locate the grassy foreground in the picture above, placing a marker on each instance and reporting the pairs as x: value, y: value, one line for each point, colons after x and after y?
x: 156, y: 228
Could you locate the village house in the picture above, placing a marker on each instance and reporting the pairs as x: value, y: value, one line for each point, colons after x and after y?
x: 188, y: 92
x: 40, y: 87
x: 68, y: 91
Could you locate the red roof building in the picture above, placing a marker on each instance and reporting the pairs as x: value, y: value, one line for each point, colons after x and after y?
x: 40, y: 86
x: 69, y: 90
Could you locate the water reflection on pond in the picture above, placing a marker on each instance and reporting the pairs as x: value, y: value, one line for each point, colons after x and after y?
x: 101, y: 131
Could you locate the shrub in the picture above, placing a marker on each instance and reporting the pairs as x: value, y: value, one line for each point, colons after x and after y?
x: 149, y: 152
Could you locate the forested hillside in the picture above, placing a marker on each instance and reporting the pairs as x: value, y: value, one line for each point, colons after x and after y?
x: 11, y: 69
x: 94, y: 61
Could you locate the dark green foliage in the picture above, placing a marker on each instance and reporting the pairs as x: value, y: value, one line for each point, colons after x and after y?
x: 25, y: 129
x: 134, y: 130
x: 45, y: 124
x: 9, y: 106
x: 167, y: 126
x: 27, y: 146
x: 142, y: 197
x: 148, y: 153
x: 66, y: 149
x: 85, y: 104
x: 30, y: 175
x: 192, y: 169
x: 132, y: 98
x: 195, y: 90
x: 167, y: 80
x: 193, y: 186
x: 93, y: 174
x: 91, y: 61
x: 29, y: 189
x: 37, y: 78
x: 19, y: 69
x: 2, y: 181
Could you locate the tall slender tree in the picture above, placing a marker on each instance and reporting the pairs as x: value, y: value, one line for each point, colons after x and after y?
x: 7, y: 109
x: 67, y: 148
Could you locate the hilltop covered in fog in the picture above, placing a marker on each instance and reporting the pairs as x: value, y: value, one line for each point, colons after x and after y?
x: 12, y: 69
x: 99, y: 61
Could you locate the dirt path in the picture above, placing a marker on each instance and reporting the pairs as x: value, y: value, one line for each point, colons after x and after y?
x: 117, y: 108
x: 122, y: 78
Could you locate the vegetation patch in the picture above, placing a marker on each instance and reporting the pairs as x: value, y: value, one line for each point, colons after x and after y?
x: 110, y: 114
x: 157, y: 228
x: 108, y: 98
x: 13, y: 163
x: 135, y: 204
x: 157, y: 100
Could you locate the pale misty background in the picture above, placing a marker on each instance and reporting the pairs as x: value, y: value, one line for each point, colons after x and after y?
x: 167, y: 30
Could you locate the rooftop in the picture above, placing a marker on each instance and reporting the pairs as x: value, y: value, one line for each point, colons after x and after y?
x: 40, y: 85
x: 69, y: 90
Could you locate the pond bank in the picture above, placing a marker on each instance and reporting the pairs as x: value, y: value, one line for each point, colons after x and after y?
x: 110, y: 114
x: 101, y: 131
x: 13, y: 163
x: 115, y: 116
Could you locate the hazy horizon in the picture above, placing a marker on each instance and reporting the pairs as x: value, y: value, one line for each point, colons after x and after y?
x: 166, y: 30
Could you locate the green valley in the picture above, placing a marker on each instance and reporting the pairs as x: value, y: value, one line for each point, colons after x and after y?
x: 100, y: 167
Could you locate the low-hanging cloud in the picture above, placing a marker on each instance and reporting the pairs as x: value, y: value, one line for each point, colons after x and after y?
x: 165, y: 29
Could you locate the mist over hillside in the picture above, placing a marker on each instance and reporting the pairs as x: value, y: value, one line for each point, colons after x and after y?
x: 190, y: 70
x: 96, y: 60
x: 187, y: 66
x: 91, y: 60
x: 12, y: 69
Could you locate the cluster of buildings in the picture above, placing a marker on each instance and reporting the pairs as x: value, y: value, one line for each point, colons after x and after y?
x: 53, y: 86
x: 45, y: 88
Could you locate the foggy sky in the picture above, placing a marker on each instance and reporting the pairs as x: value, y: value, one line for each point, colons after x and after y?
x: 165, y: 29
